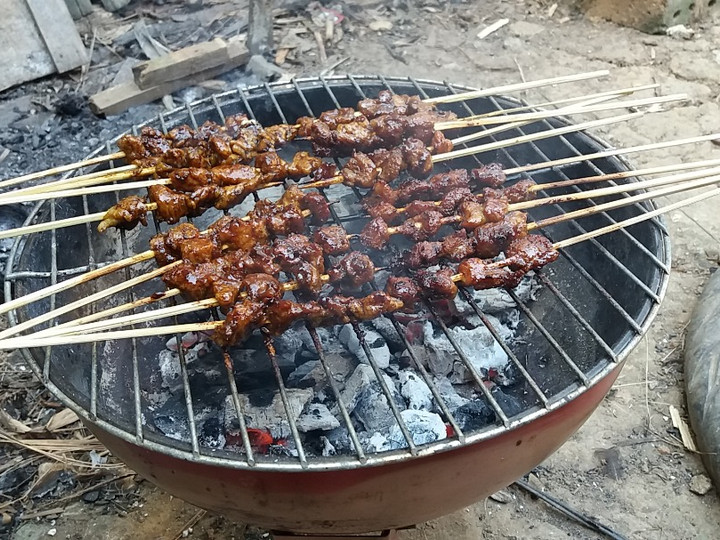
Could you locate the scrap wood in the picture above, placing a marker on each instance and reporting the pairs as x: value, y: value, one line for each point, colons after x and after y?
x: 682, y: 426
x: 181, y: 63
x: 119, y: 98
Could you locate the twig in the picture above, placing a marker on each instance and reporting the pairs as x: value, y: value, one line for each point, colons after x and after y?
x: 190, y: 523
x: 562, y: 507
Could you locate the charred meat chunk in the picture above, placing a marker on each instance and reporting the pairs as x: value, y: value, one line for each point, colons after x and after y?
x: 353, y: 270
x: 125, y: 215
x: 240, y: 321
x: 480, y: 274
x: 333, y: 240
x: 262, y: 287
x: 491, y: 175
x: 375, y: 234
x: 493, y: 238
x: 417, y: 158
x: 171, y: 206
x: 404, y: 289
x: 437, y: 284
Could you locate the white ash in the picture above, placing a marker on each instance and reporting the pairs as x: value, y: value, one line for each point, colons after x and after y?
x: 375, y: 342
x: 363, y: 397
x: 317, y: 417
x: 377, y: 442
x: 271, y: 417
x: 424, y: 427
x: 477, y: 343
x: 449, y: 394
x: 498, y: 300
x: 327, y: 447
x: 415, y: 390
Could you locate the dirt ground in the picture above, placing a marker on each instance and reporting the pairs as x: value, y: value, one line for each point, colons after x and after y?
x: 626, y: 465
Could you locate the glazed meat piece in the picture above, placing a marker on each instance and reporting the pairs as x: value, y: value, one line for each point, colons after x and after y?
x: 417, y: 157
x: 195, y: 281
x: 440, y: 144
x: 472, y: 213
x: 271, y: 166
x: 199, y: 250
x: 325, y: 171
x: 382, y: 191
x: 422, y: 226
x: 390, y: 128
x: 437, y: 184
x: 280, y: 220
x: 133, y: 148
x: 262, y: 287
x: 495, y: 208
x: 438, y: 284
x: 303, y: 164
x: 239, y: 323
x: 308, y: 277
x: 281, y: 315
x: 190, y: 179
x: 171, y: 206
x: 453, y: 199
x: 229, y: 196
x: 423, y: 254
x: 419, y: 207
x: 333, y: 117
x: 297, y: 247
x: 237, y: 175
x: 333, y: 240
x: 404, y: 289
x: 275, y: 136
x: 238, y: 234
x: 421, y: 126
x: 530, y: 252
x: 353, y: 270
x: 163, y: 254
x: 520, y: 191
x: 375, y: 234
x: 318, y: 206
x: 491, y: 175
x: 176, y: 236
x: 372, y: 306
x: 480, y: 274
x: 381, y: 209
x: 359, y: 171
x: 457, y: 246
x: 390, y: 163
x: 493, y: 238
x: 125, y: 215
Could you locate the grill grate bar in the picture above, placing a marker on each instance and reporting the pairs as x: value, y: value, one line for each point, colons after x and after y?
x: 14, y: 276
x: 579, y: 372
x: 513, y: 357
x: 230, y: 370
x: 575, y: 313
x: 286, y: 403
x: 336, y: 392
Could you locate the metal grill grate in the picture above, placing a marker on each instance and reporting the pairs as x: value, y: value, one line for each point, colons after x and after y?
x: 596, y: 301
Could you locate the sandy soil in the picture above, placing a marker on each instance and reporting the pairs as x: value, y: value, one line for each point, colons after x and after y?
x: 642, y: 488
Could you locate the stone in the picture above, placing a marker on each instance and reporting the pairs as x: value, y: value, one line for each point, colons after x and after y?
x: 415, y: 390
x: 424, y: 427
x: 651, y: 16
x: 700, y: 484
x: 268, y: 416
x: 317, y: 417
x: 375, y: 342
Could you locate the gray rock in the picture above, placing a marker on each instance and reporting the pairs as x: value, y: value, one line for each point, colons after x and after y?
x: 317, y: 417
x: 700, y: 484
x: 415, y: 391
x: 376, y: 343
x: 271, y: 417
x: 263, y: 69
x: 425, y: 427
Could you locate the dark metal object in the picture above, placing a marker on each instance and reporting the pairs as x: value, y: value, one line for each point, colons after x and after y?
x: 598, y: 300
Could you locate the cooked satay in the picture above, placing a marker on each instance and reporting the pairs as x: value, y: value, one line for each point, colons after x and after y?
x: 193, y: 190
x: 238, y: 141
x: 264, y: 308
x: 494, y: 200
x: 267, y: 219
x: 277, y: 316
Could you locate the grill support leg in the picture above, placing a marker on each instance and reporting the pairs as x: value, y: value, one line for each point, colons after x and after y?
x: 389, y: 534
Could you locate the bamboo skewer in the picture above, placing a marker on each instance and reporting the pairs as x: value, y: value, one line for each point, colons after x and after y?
x: 620, y: 92
x: 541, y: 115
x: 61, y: 169
x: 531, y: 226
x: 67, y: 339
x: 518, y: 87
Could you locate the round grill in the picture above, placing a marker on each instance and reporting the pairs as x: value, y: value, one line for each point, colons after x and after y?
x: 590, y: 310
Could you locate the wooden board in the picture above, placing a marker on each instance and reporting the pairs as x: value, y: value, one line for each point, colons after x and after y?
x: 59, y: 33
x: 182, y: 63
x: 119, y: 98
x: 25, y: 56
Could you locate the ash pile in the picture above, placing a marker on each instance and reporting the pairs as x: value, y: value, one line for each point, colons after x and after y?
x: 314, y: 406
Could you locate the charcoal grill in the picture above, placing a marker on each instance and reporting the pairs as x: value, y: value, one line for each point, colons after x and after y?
x: 595, y: 303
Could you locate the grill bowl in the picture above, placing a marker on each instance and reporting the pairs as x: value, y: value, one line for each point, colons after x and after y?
x: 597, y: 301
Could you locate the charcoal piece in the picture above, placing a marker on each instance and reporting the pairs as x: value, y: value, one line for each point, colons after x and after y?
x: 414, y: 390
x: 509, y: 404
x: 212, y: 433
x: 317, y: 417
x: 424, y: 427
x: 475, y: 414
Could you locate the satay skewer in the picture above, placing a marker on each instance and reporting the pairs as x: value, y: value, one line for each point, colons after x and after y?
x: 585, y: 212
x: 455, y: 97
x: 39, y: 341
x: 509, y: 121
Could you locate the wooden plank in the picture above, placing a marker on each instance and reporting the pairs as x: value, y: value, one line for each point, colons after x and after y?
x: 24, y: 56
x: 119, y: 98
x: 182, y: 63
x: 59, y: 33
